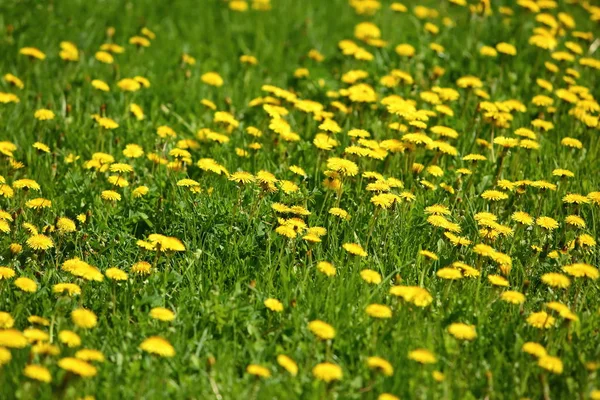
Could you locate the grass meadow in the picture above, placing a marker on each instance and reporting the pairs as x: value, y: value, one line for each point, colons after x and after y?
x: 315, y: 199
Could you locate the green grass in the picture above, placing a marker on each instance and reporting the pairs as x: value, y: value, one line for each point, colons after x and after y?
x: 234, y: 259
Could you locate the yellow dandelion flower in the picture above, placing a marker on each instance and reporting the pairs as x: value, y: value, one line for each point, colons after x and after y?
x: 288, y: 364
x: 355, y: 249
x: 327, y: 372
x: 422, y: 356
x: 273, y: 305
x: 321, y: 329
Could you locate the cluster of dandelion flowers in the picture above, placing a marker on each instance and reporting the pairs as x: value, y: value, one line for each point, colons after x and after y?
x: 528, y: 245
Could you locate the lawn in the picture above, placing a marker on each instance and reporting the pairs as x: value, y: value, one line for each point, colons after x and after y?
x: 313, y: 199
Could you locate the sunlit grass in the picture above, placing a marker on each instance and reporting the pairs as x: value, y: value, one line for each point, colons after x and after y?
x: 299, y: 199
